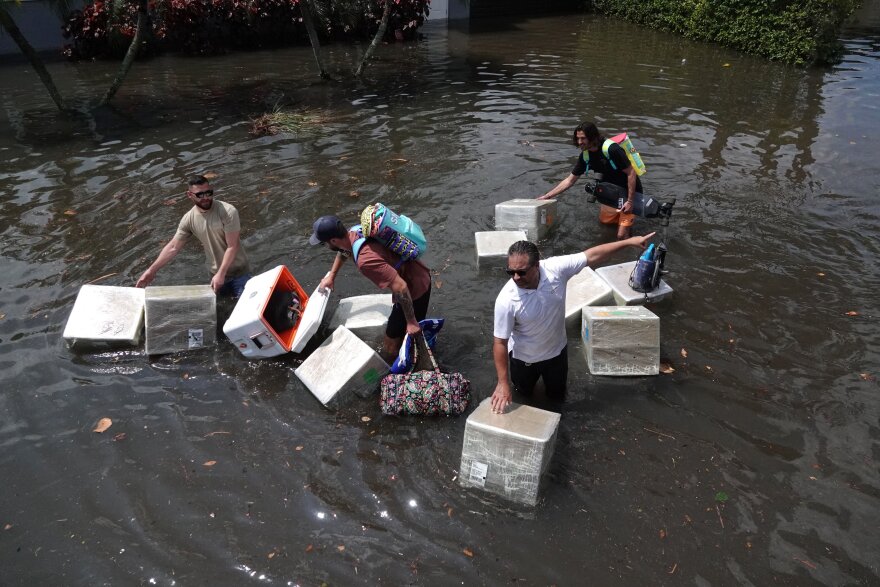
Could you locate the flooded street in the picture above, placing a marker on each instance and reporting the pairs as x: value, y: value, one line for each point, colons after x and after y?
x: 754, y: 463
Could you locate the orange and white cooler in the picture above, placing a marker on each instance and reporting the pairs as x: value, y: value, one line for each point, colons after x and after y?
x: 250, y: 331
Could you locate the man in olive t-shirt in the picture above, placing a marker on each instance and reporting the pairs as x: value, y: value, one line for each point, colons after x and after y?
x: 216, y: 225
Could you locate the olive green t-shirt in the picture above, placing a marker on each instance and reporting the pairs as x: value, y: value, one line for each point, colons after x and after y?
x: 210, y: 228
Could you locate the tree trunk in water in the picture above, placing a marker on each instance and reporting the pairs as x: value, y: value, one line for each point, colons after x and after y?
x: 379, y: 34
x: 133, y: 48
x: 28, y: 51
x: 305, y: 7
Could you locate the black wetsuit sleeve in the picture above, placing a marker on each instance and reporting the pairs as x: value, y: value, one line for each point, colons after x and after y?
x: 580, y: 167
x: 618, y: 156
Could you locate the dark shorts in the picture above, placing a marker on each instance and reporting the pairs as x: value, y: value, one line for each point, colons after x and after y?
x: 234, y: 286
x: 397, y: 321
x: 524, y: 375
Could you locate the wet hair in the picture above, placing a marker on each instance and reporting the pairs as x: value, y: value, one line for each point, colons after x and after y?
x: 527, y: 248
x: 197, y: 180
x: 590, y: 131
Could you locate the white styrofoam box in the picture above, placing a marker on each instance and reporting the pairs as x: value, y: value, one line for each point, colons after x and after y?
x: 617, y: 276
x: 535, y: 217
x: 621, y: 340
x: 584, y: 289
x: 250, y: 328
x: 366, y: 316
x: 507, y: 453
x: 311, y: 320
x: 342, y: 365
x: 179, y: 318
x: 106, y: 314
x: 493, y: 245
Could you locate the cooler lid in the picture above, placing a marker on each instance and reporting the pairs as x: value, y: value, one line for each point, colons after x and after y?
x: 311, y: 319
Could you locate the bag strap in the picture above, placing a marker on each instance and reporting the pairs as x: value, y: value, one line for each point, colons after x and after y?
x: 427, y: 348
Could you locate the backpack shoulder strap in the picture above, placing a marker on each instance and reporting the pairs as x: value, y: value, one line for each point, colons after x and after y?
x: 605, y: 146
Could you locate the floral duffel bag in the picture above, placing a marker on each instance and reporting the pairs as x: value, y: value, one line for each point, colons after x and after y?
x: 425, y: 393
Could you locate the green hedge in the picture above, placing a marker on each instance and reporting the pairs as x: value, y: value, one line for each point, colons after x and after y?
x: 795, y: 31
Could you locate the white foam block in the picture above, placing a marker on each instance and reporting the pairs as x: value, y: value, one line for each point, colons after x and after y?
x: 341, y: 366
x: 366, y: 316
x: 535, y: 217
x: 180, y: 318
x: 617, y: 276
x: 507, y: 453
x: 106, y: 314
x: 492, y: 246
x: 621, y: 340
x: 584, y: 289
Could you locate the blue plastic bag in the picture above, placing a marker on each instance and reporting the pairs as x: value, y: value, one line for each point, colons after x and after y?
x: 404, y: 361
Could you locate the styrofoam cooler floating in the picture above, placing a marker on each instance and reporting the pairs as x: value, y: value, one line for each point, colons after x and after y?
x: 254, y: 327
x: 492, y: 246
x: 366, y: 316
x: 584, y: 289
x: 535, y: 217
x: 507, y: 453
x: 341, y: 366
x: 106, y: 314
x: 179, y: 318
x: 617, y: 277
x: 621, y: 340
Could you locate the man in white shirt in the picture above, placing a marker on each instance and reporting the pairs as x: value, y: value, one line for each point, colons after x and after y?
x: 530, y: 340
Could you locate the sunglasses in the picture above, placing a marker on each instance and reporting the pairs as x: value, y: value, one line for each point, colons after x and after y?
x: 204, y: 194
x: 520, y: 272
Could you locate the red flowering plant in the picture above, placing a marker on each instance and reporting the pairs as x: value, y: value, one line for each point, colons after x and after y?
x: 104, y: 28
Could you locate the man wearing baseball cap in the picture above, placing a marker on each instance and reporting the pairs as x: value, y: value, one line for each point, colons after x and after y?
x: 409, y: 282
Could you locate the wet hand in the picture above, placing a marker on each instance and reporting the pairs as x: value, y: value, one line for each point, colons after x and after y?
x: 501, y: 398
x: 642, y: 241
x: 413, y: 329
x: 145, y: 279
x: 326, y: 283
x: 627, y: 207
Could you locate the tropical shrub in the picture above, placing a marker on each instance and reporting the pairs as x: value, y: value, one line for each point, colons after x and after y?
x: 794, y: 31
x: 104, y: 28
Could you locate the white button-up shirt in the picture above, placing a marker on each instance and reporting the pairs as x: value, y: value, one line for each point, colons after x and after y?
x: 533, y: 320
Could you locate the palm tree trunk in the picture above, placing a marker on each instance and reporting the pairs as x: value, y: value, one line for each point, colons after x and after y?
x: 26, y: 48
x: 139, y: 34
x: 376, y: 39
x: 305, y: 7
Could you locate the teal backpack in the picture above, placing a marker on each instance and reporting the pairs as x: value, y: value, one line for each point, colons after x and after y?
x: 396, y: 232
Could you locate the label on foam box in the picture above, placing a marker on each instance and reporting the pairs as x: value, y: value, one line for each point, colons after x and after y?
x: 196, y: 338
x: 478, y: 473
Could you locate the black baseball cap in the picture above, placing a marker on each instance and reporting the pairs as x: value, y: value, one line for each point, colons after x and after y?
x: 325, y: 228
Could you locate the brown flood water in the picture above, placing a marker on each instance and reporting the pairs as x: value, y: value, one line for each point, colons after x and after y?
x: 774, y: 240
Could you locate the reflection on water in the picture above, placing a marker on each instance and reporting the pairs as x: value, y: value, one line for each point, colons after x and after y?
x: 754, y: 462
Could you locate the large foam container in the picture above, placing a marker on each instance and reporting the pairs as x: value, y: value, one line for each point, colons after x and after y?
x: 179, y: 318
x: 535, y: 217
x: 250, y: 326
x: 366, y: 316
x: 342, y: 366
x: 621, y: 340
x: 492, y: 246
x: 617, y: 277
x: 105, y: 314
x: 507, y: 453
x: 584, y: 289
